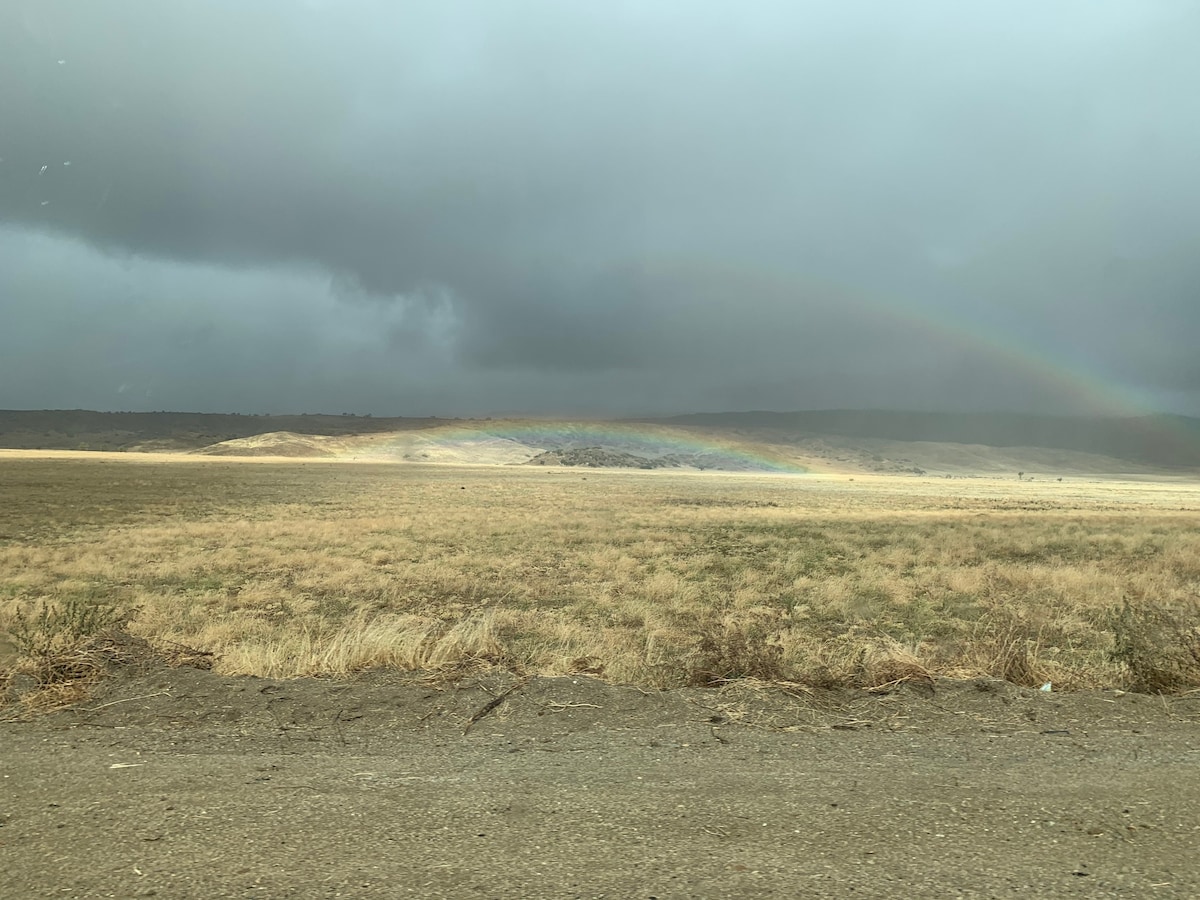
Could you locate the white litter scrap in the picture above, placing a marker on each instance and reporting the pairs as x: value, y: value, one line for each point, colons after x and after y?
x: 125, y: 765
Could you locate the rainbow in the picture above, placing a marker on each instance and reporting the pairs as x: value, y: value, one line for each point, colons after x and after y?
x: 1086, y: 386
x: 1083, y: 385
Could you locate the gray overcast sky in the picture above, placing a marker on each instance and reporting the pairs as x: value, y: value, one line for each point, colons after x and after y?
x: 634, y: 207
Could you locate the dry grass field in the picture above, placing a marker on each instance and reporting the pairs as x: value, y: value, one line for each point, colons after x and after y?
x: 655, y: 579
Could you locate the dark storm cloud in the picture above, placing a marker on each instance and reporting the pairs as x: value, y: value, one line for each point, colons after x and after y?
x: 609, y: 207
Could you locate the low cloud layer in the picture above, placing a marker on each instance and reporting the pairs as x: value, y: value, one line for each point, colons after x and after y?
x: 466, y: 208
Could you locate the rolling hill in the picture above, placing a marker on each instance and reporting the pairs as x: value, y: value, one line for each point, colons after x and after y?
x: 827, y: 440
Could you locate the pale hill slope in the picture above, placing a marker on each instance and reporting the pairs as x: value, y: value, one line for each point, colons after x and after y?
x: 822, y: 441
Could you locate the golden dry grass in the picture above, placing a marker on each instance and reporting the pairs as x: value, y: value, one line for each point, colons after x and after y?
x: 658, y: 579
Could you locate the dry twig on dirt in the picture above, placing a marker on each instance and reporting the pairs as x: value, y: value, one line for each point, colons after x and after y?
x: 493, y: 703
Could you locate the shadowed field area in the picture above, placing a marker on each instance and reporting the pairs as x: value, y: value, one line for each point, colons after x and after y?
x: 655, y: 579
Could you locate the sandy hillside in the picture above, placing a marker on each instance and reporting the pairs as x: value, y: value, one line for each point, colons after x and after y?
x: 848, y: 442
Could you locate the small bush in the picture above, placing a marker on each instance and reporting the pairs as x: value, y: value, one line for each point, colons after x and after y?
x: 53, y: 642
x: 56, y: 625
x: 1158, y: 646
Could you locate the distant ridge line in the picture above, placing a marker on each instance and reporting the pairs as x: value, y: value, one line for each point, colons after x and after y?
x: 1158, y: 439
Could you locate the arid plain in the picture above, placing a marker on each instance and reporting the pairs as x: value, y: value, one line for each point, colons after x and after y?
x: 657, y: 579
x: 561, y: 682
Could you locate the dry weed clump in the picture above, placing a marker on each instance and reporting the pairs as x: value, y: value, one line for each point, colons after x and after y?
x: 62, y: 648
x: 1158, y: 646
x: 1010, y: 644
x: 856, y: 659
x: 55, y: 630
x: 658, y: 579
x: 732, y: 648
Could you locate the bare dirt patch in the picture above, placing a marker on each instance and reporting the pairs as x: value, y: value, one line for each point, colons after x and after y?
x: 184, y: 783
